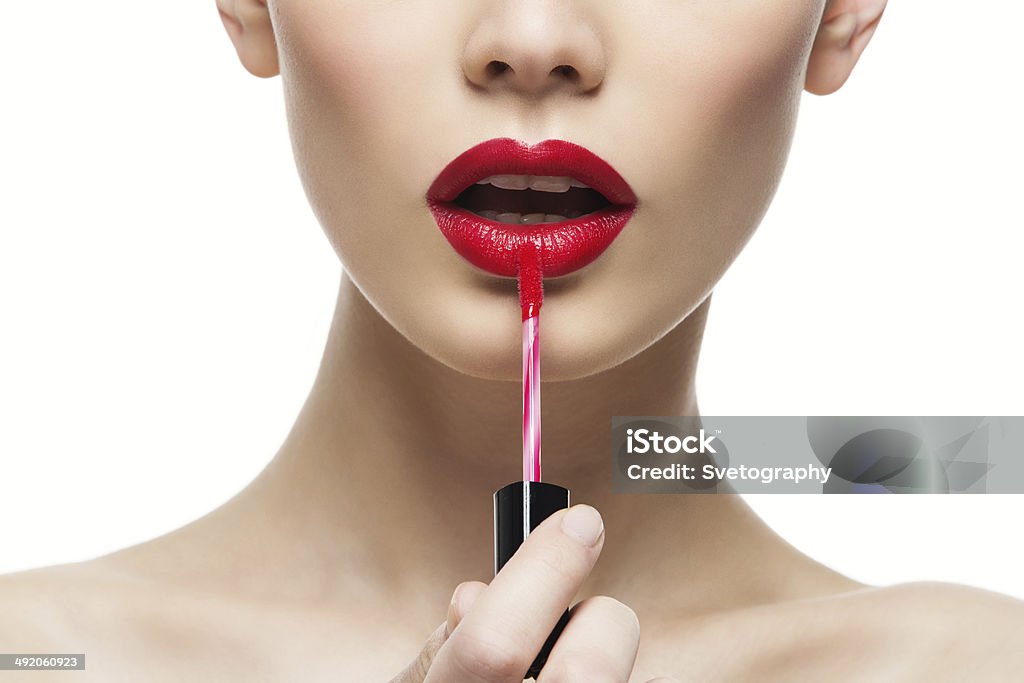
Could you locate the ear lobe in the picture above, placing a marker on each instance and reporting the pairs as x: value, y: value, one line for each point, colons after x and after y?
x: 251, y: 31
x: 846, y: 29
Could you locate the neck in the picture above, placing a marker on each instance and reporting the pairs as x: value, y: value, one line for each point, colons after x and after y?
x: 435, y: 440
x: 384, y: 484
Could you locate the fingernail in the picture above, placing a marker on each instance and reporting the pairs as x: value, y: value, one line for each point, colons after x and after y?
x: 583, y: 523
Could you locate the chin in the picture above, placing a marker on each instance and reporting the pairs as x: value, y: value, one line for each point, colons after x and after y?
x: 487, y: 343
x: 576, y: 345
x: 502, y: 362
x: 471, y: 322
x: 479, y: 336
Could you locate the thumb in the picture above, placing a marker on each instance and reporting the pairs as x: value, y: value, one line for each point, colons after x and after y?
x: 416, y: 672
x: 463, y: 598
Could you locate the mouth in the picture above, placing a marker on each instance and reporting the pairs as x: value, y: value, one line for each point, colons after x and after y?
x: 530, y: 200
x: 494, y: 197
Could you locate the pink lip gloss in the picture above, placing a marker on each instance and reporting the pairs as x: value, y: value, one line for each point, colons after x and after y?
x: 531, y: 298
x: 520, y: 506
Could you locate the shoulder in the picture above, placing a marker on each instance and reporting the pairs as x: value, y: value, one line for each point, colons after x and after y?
x: 133, y: 625
x: 939, y: 602
x: 123, y: 623
x: 40, y: 606
x: 921, y: 611
x: 941, y: 630
x: 53, y: 610
x: 915, y: 631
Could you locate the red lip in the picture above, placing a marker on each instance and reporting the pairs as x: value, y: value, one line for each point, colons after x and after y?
x: 565, y: 246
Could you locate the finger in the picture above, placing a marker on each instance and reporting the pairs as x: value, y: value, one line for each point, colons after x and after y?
x: 664, y: 679
x: 498, y: 640
x: 417, y: 670
x: 463, y: 597
x: 598, y: 644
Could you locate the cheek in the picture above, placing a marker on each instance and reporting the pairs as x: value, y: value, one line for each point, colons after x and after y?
x: 360, y: 89
x: 369, y: 95
x: 721, y: 109
x: 352, y: 60
x: 712, y: 92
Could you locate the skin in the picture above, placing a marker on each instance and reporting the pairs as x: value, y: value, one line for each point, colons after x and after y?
x: 339, y: 561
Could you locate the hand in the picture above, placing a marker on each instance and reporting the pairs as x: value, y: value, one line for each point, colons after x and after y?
x: 493, y: 633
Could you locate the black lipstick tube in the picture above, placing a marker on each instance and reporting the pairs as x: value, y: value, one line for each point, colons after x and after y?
x: 512, y: 505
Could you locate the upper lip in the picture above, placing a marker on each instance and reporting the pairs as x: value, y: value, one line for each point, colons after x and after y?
x: 514, y: 157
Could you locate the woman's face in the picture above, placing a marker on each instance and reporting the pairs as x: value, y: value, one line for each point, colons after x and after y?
x: 693, y: 103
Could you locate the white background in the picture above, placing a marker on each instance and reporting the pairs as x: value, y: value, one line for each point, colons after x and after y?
x: 165, y: 290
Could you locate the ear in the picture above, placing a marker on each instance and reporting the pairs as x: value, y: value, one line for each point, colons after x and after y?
x: 845, y: 30
x: 248, y: 24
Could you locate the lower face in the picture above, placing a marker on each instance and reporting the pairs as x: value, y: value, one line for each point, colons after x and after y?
x: 695, y: 111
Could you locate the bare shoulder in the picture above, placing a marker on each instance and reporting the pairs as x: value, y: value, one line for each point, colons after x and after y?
x: 134, y: 626
x: 88, y: 599
x: 925, y: 631
x: 926, y: 611
x: 941, y: 602
x: 41, y: 606
x: 942, y: 631
x: 53, y: 610
x: 128, y: 627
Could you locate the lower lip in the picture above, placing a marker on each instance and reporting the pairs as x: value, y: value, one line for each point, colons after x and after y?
x: 565, y: 247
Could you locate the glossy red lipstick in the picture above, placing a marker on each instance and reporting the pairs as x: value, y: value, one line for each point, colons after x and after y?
x: 599, y: 194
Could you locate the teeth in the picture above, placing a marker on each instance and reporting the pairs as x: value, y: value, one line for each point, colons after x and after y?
x: 507, y: 217
x: 547, y: 183
x: 541, y: 183
x: 510, y: 182
x: 521, y: 219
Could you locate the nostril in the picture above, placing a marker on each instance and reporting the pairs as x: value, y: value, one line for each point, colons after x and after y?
x: 568, y: 71
x: 496, y: 68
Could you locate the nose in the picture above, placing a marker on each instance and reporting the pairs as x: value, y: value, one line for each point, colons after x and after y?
x: 534, y: 47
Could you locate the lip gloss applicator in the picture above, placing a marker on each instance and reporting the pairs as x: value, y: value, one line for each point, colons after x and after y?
x: 520, y: 506
x: 531, y: 298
